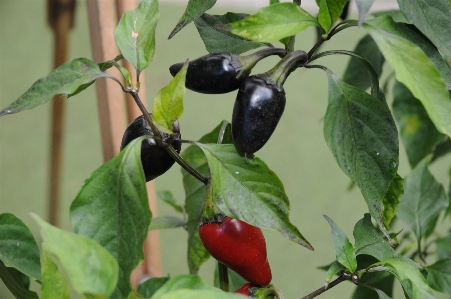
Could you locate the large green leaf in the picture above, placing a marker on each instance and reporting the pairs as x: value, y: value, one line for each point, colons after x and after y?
x: 414, y: 69
x: 185, y: 281
x: 418, y: 133
x: 439, y: 275
x: 195, y: 195
x: 135, y: 34
x: 248, y: 190
x: 272, y: 23
x: 329, y: 12
x: 66, y: 80
x: 433, y: 18
x: 150, y: 286
x: 90, y: 269
x: 361, y: 133
x: 168, y: 104
x: 343, y: 248
x: 363, y: 6
x: 200, y: 294
x: 217, y: 40
x: 194, y: 10
x: 423, y: 200
x: 15, y: 284
x: 112, y: 209
x: 18, y: 248
x: 54, y: 284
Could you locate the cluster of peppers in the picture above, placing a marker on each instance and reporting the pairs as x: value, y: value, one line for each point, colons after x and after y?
x: 258, y: 107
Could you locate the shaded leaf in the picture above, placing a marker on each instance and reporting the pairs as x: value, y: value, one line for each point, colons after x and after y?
x: 118, y: 190
x: 375, y: 285
x: 217, y: 40
x: 164, y: 222
x: 13, y: 281
x: 54, y: 284
x: 391, y: 199
x: 439, y: 275
x: 272, y: 23
x: 135, y: 34
x: 150, y: 286
x: 343, y: 248
x: 395, y: 14
x: 66, y: 80
x: 168, y: 198
x: 329, y: 12
x: 235, y: 280
x: 363, y: 7
x: 193, y: 11
x: 443, y: 247
x: 246, y: 189
x: 184, y: 281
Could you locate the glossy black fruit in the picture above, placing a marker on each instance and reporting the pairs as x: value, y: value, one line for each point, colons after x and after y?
x: 154, y: 158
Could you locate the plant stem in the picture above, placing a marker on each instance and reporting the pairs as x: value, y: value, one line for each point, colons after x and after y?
x: 223, y: 277
x: 340, y: 279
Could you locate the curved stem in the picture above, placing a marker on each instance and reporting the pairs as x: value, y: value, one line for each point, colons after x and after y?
x: 283, y: 68
x: 249, y: 61
x: 340, y: 279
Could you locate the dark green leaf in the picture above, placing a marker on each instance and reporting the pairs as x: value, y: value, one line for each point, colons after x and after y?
x: 112, y: 209
x: 343, y: 248
x: 195, y: 196
x: 361, y: 133
x: 396, y: 15
x: 248, y: 190
x: 273, y: 23
x: 168, y: 104
x: 443, y: 247
x: 391, y: 199
x: 441, y: 150
x: 329, y: 12
x: 18, y: 248
x: 423, y: 200
x: 217, y: 40
x: 168, y: 198
x: 89, y: 268
x: 164, y: 222
x: 54, y: 284
x: 14, y: 283
x: 193, y: 11
x: 421, y: 12
x: 135, y: 34
x: 235, y: 280
x: 334, y: 268
x: 414, y: 69
x: 65, y: 80
x: 185, y: 281
x: 363, y: 6
x: 379, y: 285
x: 355, y: 73
x: 150, y: 286
x: 439, y: 275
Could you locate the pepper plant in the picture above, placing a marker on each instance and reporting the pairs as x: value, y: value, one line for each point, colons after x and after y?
x: 232, y: 194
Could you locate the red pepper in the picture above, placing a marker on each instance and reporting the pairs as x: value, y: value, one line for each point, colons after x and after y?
x: 244, y: 289
x: 239, y: 246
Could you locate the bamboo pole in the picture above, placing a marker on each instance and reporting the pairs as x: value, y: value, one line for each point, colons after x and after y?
x: 60, y: 16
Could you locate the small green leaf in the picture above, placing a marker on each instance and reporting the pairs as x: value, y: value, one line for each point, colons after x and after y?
x: 334, y: 268
x: 66, y: 80
x: 168, y: 198
x: 164, y: 222
x: 235, y: 280
x: 272, y: 23
x: 217, y: 40
x: 14, y: 282
x: 117, y: 189
x: 184, y: 281
x: 135, y: 34
x: 439, y: 276
x: 423, y: 200
x: 246, y: 189
x: 168, y: 104
x: 343, y: 248
x: 150, y: 286
x: 329, y: 12
x: 421, y: 12
x: 193, y: 11
x: 18, y: 248
x: 414, y: 69
x: 89, y: 268
x: 363, y: 7
x: 54, y: 284
x: 391, y: 199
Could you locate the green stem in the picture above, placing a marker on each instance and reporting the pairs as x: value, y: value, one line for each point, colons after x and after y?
x: 340, y: 279
x: 223, y: 277
x: 283, y: 68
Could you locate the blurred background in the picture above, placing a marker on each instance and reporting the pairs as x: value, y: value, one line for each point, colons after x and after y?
x: 297, y: 151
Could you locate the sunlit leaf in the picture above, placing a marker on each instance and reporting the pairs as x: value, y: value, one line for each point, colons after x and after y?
x: 54, y: 284
x: 329, y: 12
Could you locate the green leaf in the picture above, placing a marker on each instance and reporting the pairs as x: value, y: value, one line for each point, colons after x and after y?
x: 135, y: 34
x: 18, y: 248
x: 443, y: 247
x: 343, y: 248
x: 418, y: 133
x: 395, y: 14
x: 168, y: 198
x: 14, y: 282
x: 421, y: 12
x: 272, y: 23
x: 184, y: 281
x: 334, y: 268
x: 246, y: 189
x: 65, y: 80
x: 414, y: 69
x: 195, y: 195
x: 193, y: 11
x: 217, y: 40
x: 411, y: 279
x: 329, y: 12
x: 391, y: 199
x: 379, y: 285
x: 168, y: 104
x: 423, y: 200
x: 371, y: 241
x: 361, y: 133
x: 89, y: 268
x: 363, y: 7
x: 150, y: 286
x: 112, y: 209
x: 54, y: 284
x: 200, y: 294
x: 439, y: 276
x: 164, y: 222
x: 235, y: 280
x: 355, y: 73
